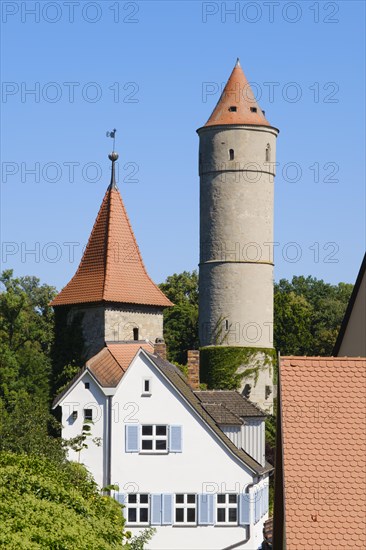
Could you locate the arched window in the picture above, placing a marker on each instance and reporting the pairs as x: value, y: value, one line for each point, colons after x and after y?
x: 135, y: 333
x: 268, y: 153
x: 231, y: 154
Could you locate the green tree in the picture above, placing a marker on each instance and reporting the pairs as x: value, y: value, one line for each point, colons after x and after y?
x: 181, y: 321
x: 44, y: 504
x: 26, y: 336
x: 308, y: 315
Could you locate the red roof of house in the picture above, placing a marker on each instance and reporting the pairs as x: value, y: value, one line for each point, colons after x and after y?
x: 323, y: 415
x: 111, y: 268
x: 237, y: 95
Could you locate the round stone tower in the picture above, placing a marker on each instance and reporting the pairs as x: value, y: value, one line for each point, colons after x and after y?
x: 237, y: 158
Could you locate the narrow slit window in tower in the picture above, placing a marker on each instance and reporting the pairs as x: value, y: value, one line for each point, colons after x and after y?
x: 226, y: 324
x: 253, y: 109
x: 231, y: 154
x: 268, y: 153
x: 233, y: 109
x: 135, y: 333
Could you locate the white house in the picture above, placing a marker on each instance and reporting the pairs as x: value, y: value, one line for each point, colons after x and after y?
x: 189, y: 463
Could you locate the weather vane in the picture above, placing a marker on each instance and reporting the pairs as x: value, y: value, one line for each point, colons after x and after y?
x: 112, y: 135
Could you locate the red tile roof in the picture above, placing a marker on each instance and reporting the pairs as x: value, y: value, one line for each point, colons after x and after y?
x: 125, y: 352
x: 323, y: 414
x: 237, y: 94
x: 109, y: 364
x: 111, y: 268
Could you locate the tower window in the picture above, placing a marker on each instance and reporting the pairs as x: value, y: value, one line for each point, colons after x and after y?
x: 231, y: 154
x: 87, y: 385
x: 226, y: 324
x: 268, y: 153
x: 135, y: 333
x: 233, y: 109
x: 253, y: 109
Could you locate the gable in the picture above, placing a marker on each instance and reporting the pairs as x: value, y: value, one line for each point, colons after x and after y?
x: 176, y: 397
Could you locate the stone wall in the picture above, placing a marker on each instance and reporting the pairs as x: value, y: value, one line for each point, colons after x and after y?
x: 121, y: 322
x: 102, y: 323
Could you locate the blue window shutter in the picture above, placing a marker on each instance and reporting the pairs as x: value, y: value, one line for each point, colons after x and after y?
x: 244, y: 509
x: 256, y: 506
x: 132, y: 438
x: 167, y: 509
x: 175, y: 439
x: 205, y: 509
x: 122, y: 499
x: 266, y: 498
x: 155, y: 509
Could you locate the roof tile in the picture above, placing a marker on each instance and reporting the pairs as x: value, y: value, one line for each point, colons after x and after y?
x: 237, y: 104
x: 324, y: 451
x: 111, y: 268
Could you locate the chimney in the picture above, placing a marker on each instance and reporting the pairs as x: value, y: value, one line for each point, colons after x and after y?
x: 193, y: 365
x: 160, y: 348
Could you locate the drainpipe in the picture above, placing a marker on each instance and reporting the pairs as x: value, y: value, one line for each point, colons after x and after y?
x: 247, y: 527
x: 108, y: 433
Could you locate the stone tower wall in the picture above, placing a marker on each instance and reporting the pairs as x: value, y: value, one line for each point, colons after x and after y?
x: 102, y: 323
x: 236, y: 235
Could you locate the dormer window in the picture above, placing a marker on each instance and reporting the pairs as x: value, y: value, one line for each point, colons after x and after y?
x: 233, y: 109
x: 135, y: 333
x: 231, y: 154
x: 253, y: 109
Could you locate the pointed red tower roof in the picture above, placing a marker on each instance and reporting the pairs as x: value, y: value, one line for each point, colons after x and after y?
x: 111, y: 268
x: 237, y: 104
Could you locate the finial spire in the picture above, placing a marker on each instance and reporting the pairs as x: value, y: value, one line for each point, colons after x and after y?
x: 113, y: 157
x: 237, y: 64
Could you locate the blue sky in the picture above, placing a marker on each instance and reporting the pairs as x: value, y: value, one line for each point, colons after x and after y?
x: 154, y: 70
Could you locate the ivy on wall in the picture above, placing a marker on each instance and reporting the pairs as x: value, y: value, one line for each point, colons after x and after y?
x: 219, y: 365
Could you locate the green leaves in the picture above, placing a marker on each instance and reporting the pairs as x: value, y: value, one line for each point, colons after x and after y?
x: 47, y: 505
x: 308, y: 315
x: 181, y: 321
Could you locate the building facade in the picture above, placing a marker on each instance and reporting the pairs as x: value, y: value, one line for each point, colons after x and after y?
x: 184, y: 462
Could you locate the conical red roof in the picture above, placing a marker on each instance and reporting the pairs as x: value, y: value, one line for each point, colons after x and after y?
x: 237, y: 104
x: 111, y: 268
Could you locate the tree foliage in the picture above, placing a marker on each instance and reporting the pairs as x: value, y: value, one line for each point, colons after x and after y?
x: 44, y: 504
x: 181, y: 321
x: 26, y: 336
x: 308, y: 315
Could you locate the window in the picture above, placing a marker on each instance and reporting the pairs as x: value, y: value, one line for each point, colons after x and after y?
x: 232, y: 109
x: 185, y: 509
x: 268, y: 153
x: 253, y: 109
x: 227, y: 508
x: 87, y: 385
x: 74, y: 415
x: 146, y: 386
x: 226, y: 324
x: 154, y: 438
x: 137, y: 508
x: 231, y: 154
x: 88, y: 414
x: 135, y: 333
